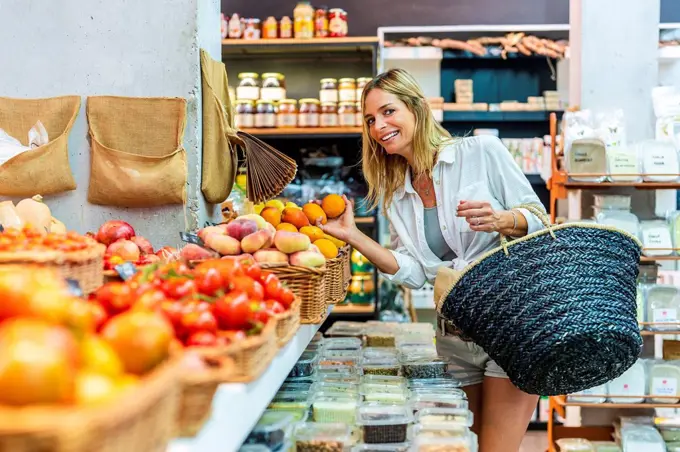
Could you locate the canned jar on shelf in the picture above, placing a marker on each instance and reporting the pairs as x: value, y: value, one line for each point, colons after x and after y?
x: 266, y: 114
x: 248, y: 87
x: 321, y: 23
x: 362, y: 289
x: 347, y: 114
x: 309, y: 113
x: 347, y: 90
x: 337, y: 23
x: 329, y: 114
x: 329, y: 90
x: 273, y: 86
x: 270, y: 28
x: 303, y: 17
x: 286, y: 115
x: 358, y: 117
x: 361, y: 82
x: 252, y: 31
x: 245, y: 114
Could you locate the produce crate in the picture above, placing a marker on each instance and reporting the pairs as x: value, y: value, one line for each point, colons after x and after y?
x: 252, y: 355
x: 85, y: 266
x: 198, y: 390
x: 140, y: 420
x: 307, y: 283
x: 288, y: 323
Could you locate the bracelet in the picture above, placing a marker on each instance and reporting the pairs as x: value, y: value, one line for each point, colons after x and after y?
x: 514, y: 221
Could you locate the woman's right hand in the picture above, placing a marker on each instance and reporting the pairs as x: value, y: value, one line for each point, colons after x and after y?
x: 343, y: 227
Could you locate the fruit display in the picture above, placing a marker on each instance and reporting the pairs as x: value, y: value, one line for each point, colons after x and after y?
x: 124, y: 245
x: 29, y: 240
x: 30, y: 213
x: 216, y: 303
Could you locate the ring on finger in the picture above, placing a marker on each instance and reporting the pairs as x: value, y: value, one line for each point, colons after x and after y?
x: 477, y: 218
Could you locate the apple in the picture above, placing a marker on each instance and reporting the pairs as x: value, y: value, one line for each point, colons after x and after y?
x: 125, y: 249
x: 144, y: 245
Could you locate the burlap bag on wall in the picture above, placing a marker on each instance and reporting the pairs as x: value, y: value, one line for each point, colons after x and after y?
x: 220, y: 159
x: 137, y: 155
x: 44, y: 170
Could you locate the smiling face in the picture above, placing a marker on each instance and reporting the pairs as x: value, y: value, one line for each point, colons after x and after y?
x: 390, y: 123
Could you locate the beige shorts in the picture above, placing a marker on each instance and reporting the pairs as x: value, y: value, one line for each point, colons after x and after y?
x: 469, y: 362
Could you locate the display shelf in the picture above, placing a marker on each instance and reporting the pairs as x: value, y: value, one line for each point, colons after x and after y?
x: 307, y: 132
x: 498, y: 116
x: 364, y: 220
x: 260, y: 46
x: 354, y: 309
x: 561, y: 401
x: 238, y: 406
x: 659, y: 258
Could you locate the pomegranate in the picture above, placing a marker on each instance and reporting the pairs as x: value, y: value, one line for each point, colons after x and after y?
x: 144, y: 245
x: 114, y: 230
x: 125, y: 249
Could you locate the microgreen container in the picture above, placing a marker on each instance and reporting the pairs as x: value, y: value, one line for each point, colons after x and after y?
x: 304, y: 367
x: 384, y: 394
x: 448, y: 382
x: 339, y: 378
x: 342, y: 343
x: 334, y: 386
x: 386, y: 380
x: 443, y: 430
x: 425, y: 443
x: 335, y: 369
x: 379, y: 352
x: 271, y: 429
x: 383, y: 424
x: 380, y: 339
x: 458, y: 416
x: 424, y: 368
x: 321, y: 437
x: 421, y: 401
x: 336, y: 407
x: 395, y: 447
x: 290, y: 401
x: 381, y: 366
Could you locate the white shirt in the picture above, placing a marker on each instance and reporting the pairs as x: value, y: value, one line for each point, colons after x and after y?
x: 472, y: 169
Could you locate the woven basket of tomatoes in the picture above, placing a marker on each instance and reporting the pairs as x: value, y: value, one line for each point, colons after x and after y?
x: 75, y: 256
x: 74, y: 378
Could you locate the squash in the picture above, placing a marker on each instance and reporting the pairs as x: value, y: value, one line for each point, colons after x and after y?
x: 9, y: 217
x: 35, y: 213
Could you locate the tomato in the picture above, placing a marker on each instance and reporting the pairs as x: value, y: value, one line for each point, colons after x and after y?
x: 81, y: 316
x: 173, y: 311
x: 115, y: 297
x: 234, y: 311
x: 286, y: 297
x: 177, y: 288
x: 231, y: 335
x: 98, y: 314
x: 151, y: 299
x: 248, y: 285
x: 202, y: 339
x: 209, y: 281
x: 32, y: 292
x: 272, y: 287
x: 193, y: 322
x: 274, y: 307
x: 227, y: 267
x: 254, y: 271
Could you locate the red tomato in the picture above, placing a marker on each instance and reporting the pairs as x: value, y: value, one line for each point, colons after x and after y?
x: 234, y: 311
x: 173, y: 312
x: 274, y: 307
x: 151, y: 299
x: 231, y: 335
x: 99, y: 315
x: 272, y: 287
x: 194, y: 322
x: 177, y: 288
x: 248, y: 285
x: 115, y: 297
x: 202, y: 339
x: 254, y: 271
x: 226, y: 267
x: 196, y: 306
x: 209, y: 281
x: 286, y: 297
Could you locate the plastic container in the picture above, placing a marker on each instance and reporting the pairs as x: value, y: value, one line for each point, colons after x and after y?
x: 336, y: 407
x: 422, y: 401
x: 669, y: 433
x: 254, y: 448
x: 334, y: 386
x: 403, y: 447
x: 605, y: 446
x: 444, y: 430
x: 383, y: 424
x: 384, y: 394
x: 620, y: 219
x: 574, y: 445
x: 333, y: 356
x: 424, y: 368
x: 290, y: 401
x: 385, y: 380
x: 434, y: 382
x: 271, y: 429
x: 663, y: 307
x: 379, y: 352
x: 457, y: 392
x: 343, y: 343
x: 642, y: 438
x: 320, y: 437
x: 426, y: 443
x: 380, y: 339
x: 617, y: 202
x: 335, y: 369
x: 598, y: 394
x: 435, y: 416
x: 305, y: 366
x: 295, y: 387
x: 656, y: 238
x: 632, y: 383
x: 664, y: 380
x: 339, y: 378
x: 384, y: 367
x: 311, y: 379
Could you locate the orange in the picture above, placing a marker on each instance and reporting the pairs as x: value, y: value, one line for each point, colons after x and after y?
x: 333, y: 205
x: 327, y: 248
x: 286, y: 227
x: 295, y: 217
x: 337, y: 242
x: 314, y: 213
x: 314, y: 233
x: 272, y: 215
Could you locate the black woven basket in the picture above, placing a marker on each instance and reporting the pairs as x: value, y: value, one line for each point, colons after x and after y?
x: 556, y: 309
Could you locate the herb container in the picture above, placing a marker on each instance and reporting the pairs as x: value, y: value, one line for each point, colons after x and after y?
x: 339, y: 378
x: 385, y: 367
x: 423, y: 368
x: 271, y: 429
x: 385, y: 380
x: 424, y: 443
x: 345, y: 331
x: 335, y: 386
x: 380, y: 339
x: 383, y: 424
x: 434, y: 382
x: 379, y: 352
x: 457, y: 416
x: 422, y: 401
x: 442, y: 430
x: 290, y: 401
x: 452, y: 392
x: 336, y: 407
x: 343, y: 343
x: 320, y: 437
x: 384, y: 394
x: 305, y: 365
x: 335, y: 369
x: 396, y: 447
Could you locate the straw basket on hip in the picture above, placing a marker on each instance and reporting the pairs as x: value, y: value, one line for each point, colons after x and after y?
x: 555, y: 309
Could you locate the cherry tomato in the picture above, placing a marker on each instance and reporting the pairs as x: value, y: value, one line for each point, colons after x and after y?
x: 194, y: 322
x: 99, y: 315
x: 115, y: 297
x: 173, y: 311
x: 234, y: 311
x: 150, y: 299
x: 262, y: 316
x: 272, y: 287
x: 229, y: 336
x: 226, y: 267
x: 202, y: 339
x: 254, y: 271
x: 286, y: 297
x: 177, y: 288
x: 209, y: 281
x: 196, y: 306
x: 248, y: 285
x: 274, y: 307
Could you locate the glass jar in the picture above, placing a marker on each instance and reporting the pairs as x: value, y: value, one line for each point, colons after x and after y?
x: 249, y: 86
x: 329, y: 114
x: 346, y: 114
x: 329, y: 90
x: 303, y: 16
x: 287, y: 113
x: 362, y: 289
x: 347, y: 90
x: 266, y: 114
x: 273, y: 86
x: 252, y: 31
x: 358, y: 119
x: 361, y: 82
x: 309, y: 113
x: 337, y: 23
x: 235, y: 31
x: 245, y: 114
x: 321, y: 23
x: 270, y: 28
x: 286, y: 28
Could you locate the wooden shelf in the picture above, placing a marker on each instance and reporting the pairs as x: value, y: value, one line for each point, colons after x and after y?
x: 364, y: 220
x: 497, y: 116
x: 609, y: 405
x: 294, y: 45
x: 307, y: 132
x: 296, y: 41
x: 354, y: 309
x: 654, y: 333
x: 659, y: 258
x: 639, y: 185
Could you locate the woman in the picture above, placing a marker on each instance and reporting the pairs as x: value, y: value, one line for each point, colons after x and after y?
x: 447, y: 200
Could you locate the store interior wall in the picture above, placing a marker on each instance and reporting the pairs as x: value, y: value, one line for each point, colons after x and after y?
x: 99, y: 47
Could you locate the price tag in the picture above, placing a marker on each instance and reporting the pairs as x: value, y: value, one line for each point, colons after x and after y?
x: 190, y: 237
x: 126, y: 270
x: 664, y: 386
x: 671, y: 350
x: 74, y: 287
x: 2, y: 229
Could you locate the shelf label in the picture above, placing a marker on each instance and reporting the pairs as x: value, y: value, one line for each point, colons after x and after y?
x: 190, y: 237
x: 126, y: 270
x: 664, y: 315
x: 664, y: 386
x: 74, y: 287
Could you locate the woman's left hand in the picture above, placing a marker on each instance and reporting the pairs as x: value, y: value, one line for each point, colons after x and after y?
x: 481, y: 217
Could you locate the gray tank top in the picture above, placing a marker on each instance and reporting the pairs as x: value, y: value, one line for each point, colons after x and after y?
x: 434, y: 237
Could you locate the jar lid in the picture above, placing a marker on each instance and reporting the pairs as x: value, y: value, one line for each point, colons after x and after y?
x: 270, y: 18
x: 254, y: 20
x: 329, y: 104
x: 347, y: 104
x: 288, y: 101
x: 330, y: 80
x: 309, y: 101
x: 347, y: 79
x: 276, y: 75
x: 264, y: 101
x: 248, y: 75
x: 244, y: 101
x: 337, y: 10
x: 364, y: 79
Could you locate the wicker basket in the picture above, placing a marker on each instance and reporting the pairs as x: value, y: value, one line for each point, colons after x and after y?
x: 140, y: 421
x: 198, y: 390
x: 338, y: 276
x: 307, y: 283
x: 346, y: 267
x: 85, y: 266
x: 288, y: 323
x: 252, y: 355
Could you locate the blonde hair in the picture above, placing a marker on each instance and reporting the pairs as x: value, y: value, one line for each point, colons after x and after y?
x: 385, y: 173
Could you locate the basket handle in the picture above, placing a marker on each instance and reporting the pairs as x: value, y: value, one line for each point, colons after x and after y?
x: 540, y: 213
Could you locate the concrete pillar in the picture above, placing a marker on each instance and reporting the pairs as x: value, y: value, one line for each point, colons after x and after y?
x: 124, y: 48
